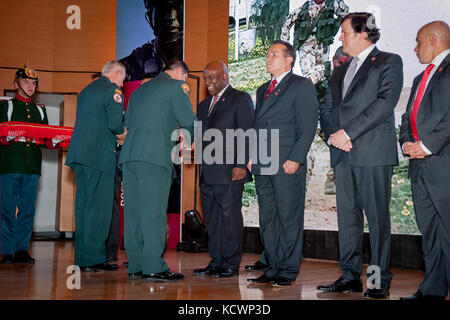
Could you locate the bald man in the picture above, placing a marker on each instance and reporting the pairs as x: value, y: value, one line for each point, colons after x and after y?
x: 425, y: 139
x: 223, y: 174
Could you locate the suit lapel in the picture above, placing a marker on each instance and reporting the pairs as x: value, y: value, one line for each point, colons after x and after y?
x: 340, y: 75
x: 362, y: 70
x: 436, y: 76
x: 260, y: 98
x: 414, y: 87
x: 433, y: 81
x: 221, y: 101
x: 275, y: 95
x: 204, y: 110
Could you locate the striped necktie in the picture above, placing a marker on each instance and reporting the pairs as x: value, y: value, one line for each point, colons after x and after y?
x: 216, y: 97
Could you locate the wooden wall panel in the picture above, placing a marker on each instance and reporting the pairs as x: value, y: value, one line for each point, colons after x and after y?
x: 27, y: 33
x: 96, y: 38
x: 36, y: 30
x: 65, y: 209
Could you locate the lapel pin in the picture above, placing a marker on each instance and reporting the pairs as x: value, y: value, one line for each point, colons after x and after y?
x: 373, y: 59
x: 440, y: 69
x: 223, y: 99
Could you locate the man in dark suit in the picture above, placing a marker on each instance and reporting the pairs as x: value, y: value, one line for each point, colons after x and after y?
x: 357, y: 117
x: 286, y: 121
x: 425, y: 139
x: 154, y: 112
x: 222, y: 181
x: 98, y: 129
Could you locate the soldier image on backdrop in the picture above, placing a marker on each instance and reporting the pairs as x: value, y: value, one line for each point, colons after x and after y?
x: 165, y: 17
x: 99, y: 115
x: 20, y: 169
x: 315, y: 25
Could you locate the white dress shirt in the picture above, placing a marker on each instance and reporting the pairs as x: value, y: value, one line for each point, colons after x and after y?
x: 280, y: 77
x: 219, y: 95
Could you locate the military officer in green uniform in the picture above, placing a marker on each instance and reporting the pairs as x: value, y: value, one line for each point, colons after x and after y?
x: 20, y: 168
x: 98, y: 129
x: 154, y: 111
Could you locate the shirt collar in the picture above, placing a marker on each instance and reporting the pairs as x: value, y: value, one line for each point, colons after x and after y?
x: 223, y: 90
x: 280, y: 77
x: 440, y: 57
x: 365, y: 53
x: 23, y: 99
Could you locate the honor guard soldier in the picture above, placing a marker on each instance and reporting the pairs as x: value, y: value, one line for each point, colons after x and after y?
x: 20, y: 169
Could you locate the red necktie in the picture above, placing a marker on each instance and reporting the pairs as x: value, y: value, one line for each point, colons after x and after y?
x: 418, y: 100
x: 216, y: 97
x: 272, y: 86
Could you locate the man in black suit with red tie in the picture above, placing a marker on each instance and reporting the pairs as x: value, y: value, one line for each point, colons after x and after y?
x: 286, y: 121
x: 357, y: 117
x: 223, y: 172
x: 425, y: 139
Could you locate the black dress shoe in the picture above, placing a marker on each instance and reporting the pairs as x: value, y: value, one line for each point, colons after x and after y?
x: 262, y: 279
x: 7, y: 259
x: 419, y: 296
x: 225, y: 273
x: 165, y: 276
x: 381, y: 293
x: 134, y: 276
x: 258, y: 265
x: 208, y: 271
x: 282, y: 281
x: 23, y: 257
x: 105, y: 266
x: 341, y: 285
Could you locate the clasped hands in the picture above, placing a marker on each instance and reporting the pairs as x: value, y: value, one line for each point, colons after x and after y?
x: 340, y: 140
x: 414, y: 150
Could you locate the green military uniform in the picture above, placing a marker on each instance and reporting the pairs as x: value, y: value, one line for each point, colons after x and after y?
x: 154, y: 111
x: 92, y: 157
x: 22, y: 157
x: 20, y: 168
